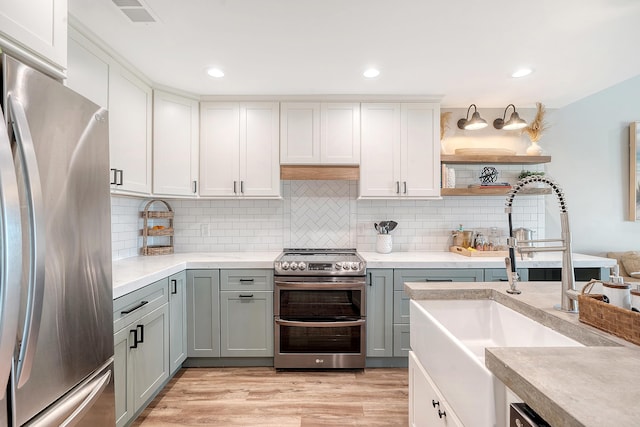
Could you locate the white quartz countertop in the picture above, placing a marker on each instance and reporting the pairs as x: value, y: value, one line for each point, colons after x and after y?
x: 452, y: 260
x: 130, y: 274
x: 591, y: 386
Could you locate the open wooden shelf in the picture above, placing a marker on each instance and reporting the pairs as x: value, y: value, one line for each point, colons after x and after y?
x: 454, y: 159
x: 491, y: 191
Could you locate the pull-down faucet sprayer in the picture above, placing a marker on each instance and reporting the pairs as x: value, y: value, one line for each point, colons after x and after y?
x: 569, y: 294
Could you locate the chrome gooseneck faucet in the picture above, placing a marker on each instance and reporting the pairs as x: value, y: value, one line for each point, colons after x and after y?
x: 569, y: 294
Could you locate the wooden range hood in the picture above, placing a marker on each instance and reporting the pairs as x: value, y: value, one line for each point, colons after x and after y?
x: 319, y: 172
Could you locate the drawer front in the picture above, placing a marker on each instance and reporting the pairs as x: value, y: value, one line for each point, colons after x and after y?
x: 400, y: 307
x: 134, y: 305
x: 400, y: 276
x: 241, y: 280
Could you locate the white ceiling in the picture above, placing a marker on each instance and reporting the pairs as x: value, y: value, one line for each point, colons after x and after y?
x: 464, y: 50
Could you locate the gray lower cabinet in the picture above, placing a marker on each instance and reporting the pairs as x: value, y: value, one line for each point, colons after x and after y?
x: 178, y: 320
x: 500, y: 274
x: 379, y: 300
x: 401, y: 299
x: 203, y: 313
x: 246, y: 313
x: 141, y: 341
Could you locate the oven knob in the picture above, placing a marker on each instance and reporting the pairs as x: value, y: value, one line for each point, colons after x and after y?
x: 354, y: 265
x: 345, y: 265
x: 302, y: 266
x: 285, y: 265
x: 338, y: 266
x: 294, y: 266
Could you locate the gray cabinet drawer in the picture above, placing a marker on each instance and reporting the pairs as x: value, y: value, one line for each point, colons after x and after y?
x: 238, y: 280
x: 136, y: 304
x: 400, y: 276
x: 400, y: 307
x: 401, y: 340
x: 500, y: 274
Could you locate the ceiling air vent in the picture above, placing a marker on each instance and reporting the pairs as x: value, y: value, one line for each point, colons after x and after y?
x: 135, y: 10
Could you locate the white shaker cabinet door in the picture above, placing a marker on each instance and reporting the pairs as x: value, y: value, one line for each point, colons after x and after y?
x: 259, y: 160
x: 175, y: 144
x: 380, y: 150
x: 420, y: 152
x: 340, y: 133
x: 219, y: 149
x: 88, y: 72
x: 35, y: 26
x: 299, y: 133
x: 130, y: 104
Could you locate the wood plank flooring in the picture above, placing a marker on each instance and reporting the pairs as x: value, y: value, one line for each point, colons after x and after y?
x: 268, y: 398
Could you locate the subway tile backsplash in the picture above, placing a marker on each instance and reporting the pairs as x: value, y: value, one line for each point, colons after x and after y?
x: 325, y: 214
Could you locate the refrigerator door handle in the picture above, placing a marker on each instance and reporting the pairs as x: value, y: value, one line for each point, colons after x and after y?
x: 35, y: 293
x: 82, y: 401
x: 11, y: 261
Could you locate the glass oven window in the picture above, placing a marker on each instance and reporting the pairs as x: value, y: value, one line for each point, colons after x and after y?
x: 298, y: 339
x: 320, y: 305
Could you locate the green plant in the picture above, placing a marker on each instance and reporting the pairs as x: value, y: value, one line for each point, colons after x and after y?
x: 525, y: 174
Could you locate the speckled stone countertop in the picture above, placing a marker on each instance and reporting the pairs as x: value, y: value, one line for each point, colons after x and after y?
x: 594, y: 386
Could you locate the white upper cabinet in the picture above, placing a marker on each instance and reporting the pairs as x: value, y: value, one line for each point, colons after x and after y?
x: 320, y: 133
x: 400, y: 150
x: 175, y: 144
x: 239, y: 149
x: 36, y: 29
x: 130, y: 103
x: 88, y: 72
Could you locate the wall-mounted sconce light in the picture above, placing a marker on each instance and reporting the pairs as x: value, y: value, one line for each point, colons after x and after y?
x: 473, y: 123
x: 514, y: 122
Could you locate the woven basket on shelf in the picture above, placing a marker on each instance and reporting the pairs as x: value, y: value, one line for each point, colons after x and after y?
x: 608, y: 317
x: 164, y: 230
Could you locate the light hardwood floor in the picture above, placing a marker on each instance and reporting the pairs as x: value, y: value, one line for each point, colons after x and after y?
x: 264, y: 397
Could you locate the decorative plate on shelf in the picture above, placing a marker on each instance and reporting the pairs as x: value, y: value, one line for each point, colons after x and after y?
x: 485, y: 152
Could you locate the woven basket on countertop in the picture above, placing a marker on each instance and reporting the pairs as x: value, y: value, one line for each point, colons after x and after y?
x: 148, y: 230
x: 608, y: 317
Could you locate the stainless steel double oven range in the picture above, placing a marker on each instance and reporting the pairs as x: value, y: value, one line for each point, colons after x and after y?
x: 319, y: 309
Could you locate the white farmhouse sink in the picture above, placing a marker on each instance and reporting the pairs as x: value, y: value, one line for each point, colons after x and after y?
x: 449, y: 338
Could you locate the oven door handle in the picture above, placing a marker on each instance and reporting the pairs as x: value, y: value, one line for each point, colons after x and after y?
x: 322, y: 285
x: 359, y: 322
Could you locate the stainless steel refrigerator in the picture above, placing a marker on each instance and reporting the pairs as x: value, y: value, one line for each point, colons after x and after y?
x: 56, y: 306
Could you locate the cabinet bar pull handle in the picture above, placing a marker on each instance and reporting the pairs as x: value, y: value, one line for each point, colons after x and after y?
x: 246, y: 280
x: 246, y: 296
x: 132, y: 309
x: 442, y: 413
x: 434, y: 403
x: 242, y: 187
x: 397, y: 187
x: 370, y: 280
x: 438, y: 280
x: 234, y: 187
x: 195, y: 187
x: 141, y: 329
x: 404, y: 184
x: 135, y: 338
x: 174, y: 289
x: 114, y: 181
x: 121, y: 173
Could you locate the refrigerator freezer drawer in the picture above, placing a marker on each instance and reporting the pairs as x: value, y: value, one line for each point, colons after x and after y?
x: 89, y: 404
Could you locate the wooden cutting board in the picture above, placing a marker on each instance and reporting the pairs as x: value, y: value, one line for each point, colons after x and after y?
x: 474, y: 253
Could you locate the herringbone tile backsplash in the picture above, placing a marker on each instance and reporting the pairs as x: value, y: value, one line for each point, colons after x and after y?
x: 321, y: 214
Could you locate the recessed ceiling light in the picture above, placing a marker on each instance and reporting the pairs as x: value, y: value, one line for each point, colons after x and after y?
x: 371, y: 73
x: 522, y: 72
x: 215, y: 72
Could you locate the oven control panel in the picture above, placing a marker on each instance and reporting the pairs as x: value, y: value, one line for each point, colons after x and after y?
x: 307, y: 267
